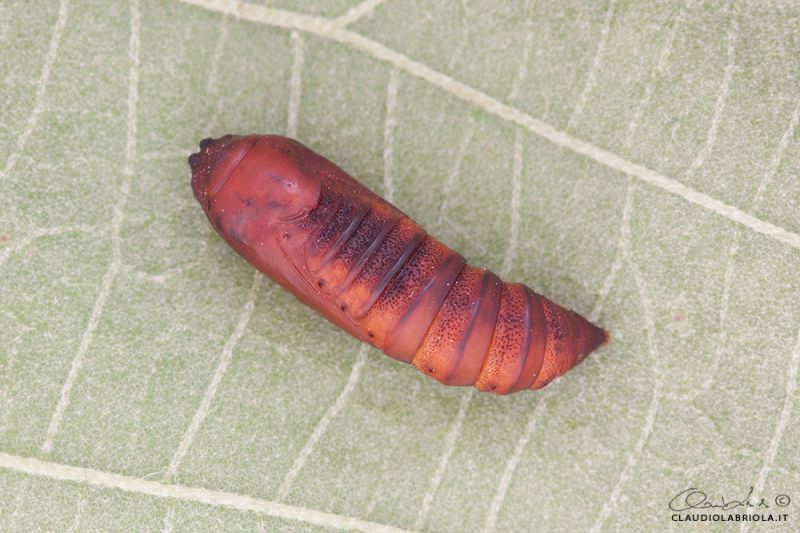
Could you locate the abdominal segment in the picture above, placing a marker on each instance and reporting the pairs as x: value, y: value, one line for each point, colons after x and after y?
x: 419, y: 302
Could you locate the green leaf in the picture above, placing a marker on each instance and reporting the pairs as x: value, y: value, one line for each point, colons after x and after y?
x: 634, y: 161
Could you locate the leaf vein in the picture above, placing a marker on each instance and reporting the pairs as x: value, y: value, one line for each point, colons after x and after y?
x: 326, y: 29
x: 216, y: 498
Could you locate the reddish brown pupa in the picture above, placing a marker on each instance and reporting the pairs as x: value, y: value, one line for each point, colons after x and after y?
x: 371, y: 270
